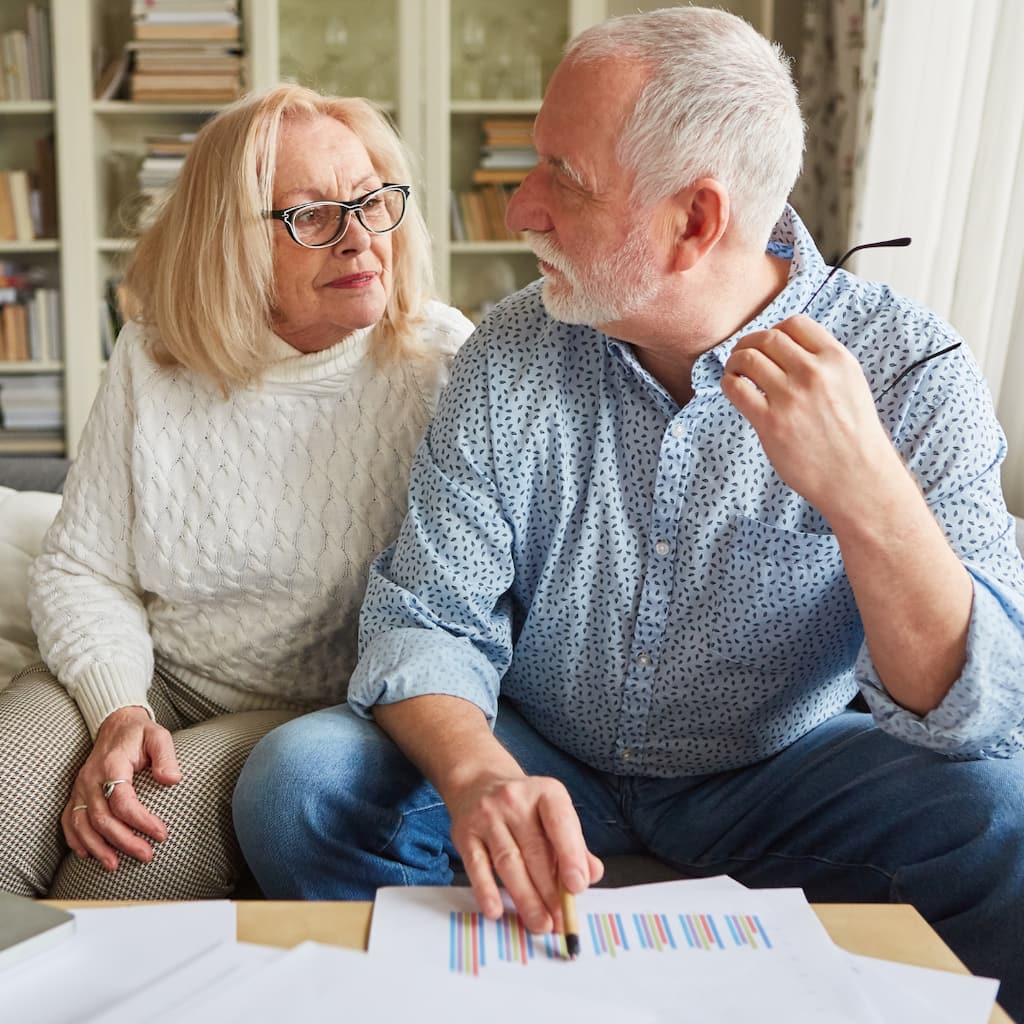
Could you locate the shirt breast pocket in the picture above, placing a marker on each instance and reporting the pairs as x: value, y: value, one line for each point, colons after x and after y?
x: 779, y: 599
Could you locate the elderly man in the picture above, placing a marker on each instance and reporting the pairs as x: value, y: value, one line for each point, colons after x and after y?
x: 662, y: 531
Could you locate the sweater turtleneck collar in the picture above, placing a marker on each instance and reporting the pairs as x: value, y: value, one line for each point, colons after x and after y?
x: 290, y: 366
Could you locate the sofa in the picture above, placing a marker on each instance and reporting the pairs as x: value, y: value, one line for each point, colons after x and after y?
x: 29, y: 498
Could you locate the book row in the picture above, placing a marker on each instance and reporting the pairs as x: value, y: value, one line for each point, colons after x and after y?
x: 187, y: 53
x: 26, y: 62
x: 31, y: 402
x: 30, y: 325
x: 478, y: 215
x: 28, y: 198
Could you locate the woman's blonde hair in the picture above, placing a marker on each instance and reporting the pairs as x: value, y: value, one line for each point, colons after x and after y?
x: 203, y: 274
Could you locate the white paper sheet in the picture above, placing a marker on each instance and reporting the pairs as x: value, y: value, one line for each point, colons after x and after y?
x: 920, y: 995
x: 165, y: 998
x: 687, y: 952
x: 314, y: 983
x: 909, y: 994
x: 114, y: 953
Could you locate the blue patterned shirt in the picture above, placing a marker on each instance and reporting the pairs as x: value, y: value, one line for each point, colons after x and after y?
x: 637, y: 579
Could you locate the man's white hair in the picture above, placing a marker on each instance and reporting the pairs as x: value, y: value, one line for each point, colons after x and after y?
x: 720, y: 102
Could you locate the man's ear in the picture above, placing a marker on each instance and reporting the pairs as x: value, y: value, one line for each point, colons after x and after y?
x: 701, y: 214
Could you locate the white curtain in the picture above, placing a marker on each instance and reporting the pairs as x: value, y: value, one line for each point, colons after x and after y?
x: 945, y: 164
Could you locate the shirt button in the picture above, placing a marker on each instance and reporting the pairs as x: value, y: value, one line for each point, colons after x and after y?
x: 678, y: 430
x: 643, y: 659
x: 627, y: 754
x: 663, y: 547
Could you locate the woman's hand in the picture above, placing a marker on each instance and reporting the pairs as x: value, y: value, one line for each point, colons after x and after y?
x: 527, y: 830
x: 99, y: 827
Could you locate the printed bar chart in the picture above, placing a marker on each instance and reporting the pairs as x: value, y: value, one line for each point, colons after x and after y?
x: 614, y: 934
x: 474, y: 943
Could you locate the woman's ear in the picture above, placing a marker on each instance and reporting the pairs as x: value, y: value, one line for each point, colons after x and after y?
x: 701, y: 217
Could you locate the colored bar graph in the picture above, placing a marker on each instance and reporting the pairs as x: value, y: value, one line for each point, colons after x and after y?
x: 476, y: 944
x: 655, y: 933
x: 471, y: 935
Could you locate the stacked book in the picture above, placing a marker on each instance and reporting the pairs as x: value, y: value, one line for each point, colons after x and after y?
x: 506, y: 157
x: 185, y: 51
x: 29, y: 319
x: 32, y: 402
x: 164, y: 157
x: 507, y: 154
x: 26, y: 69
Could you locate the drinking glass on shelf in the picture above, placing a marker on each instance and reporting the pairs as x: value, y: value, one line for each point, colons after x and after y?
x: 472, y: 50
x: 495, y: 280
x: 502, y: 75
x: 529, y: 85
x: 336, y: 33
x: 377, y: 74
x: 124, y: 202
x: 335, y: 39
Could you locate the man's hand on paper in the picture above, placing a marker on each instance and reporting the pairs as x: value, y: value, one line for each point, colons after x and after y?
x: 807, y: 398
x: 526, y: 830
x: 95, y: 826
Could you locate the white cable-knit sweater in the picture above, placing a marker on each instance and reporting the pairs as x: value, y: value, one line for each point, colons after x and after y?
x: 231, y: 537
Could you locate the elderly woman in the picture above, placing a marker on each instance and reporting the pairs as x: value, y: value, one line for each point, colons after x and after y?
x: 245, y: 459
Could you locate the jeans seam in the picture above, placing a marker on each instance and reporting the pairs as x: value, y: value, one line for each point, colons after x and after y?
x: 889, y: 876
x: 894, y: 888
x: 398, y: 827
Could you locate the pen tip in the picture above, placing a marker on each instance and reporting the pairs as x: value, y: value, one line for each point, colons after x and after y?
x: 572, y: 946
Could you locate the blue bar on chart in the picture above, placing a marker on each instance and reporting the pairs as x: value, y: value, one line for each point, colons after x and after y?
x: 473, y: 939
x: 611, y: 935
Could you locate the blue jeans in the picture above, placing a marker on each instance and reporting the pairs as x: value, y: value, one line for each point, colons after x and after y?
x: 327, y: 807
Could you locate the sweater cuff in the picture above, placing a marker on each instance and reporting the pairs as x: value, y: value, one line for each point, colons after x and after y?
x: 102, y: 689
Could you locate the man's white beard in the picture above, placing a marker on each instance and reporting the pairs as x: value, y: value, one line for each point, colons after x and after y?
x: 611, y: 289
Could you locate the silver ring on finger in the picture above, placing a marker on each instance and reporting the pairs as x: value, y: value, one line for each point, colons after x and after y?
x: 79, y: 807
x: 108, y: 787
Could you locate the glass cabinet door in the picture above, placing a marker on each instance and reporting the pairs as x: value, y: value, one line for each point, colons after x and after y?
x: 342, y: 48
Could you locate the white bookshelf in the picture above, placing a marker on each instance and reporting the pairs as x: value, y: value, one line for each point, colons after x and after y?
x: 470, y: 273
x: 22, y: 123
x: 98, y: 144
x: 398, y: 52
x: 395, y: 51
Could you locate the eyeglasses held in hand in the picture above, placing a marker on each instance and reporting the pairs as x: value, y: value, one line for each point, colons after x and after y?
x: 324, y: 223
x: 890, y: 243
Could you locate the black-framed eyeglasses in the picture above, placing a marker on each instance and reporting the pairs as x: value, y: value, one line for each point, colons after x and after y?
x: 324, y: 223
x: 889, y: 243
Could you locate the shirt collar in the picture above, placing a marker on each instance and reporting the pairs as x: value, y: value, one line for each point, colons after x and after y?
x: 789, y: 238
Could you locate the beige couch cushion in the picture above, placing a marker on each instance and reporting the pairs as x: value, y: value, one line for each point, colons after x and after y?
x: 24, y: 517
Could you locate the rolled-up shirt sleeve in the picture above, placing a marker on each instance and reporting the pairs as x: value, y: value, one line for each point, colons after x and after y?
x: 952, y: 443
x: 437, y: 615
